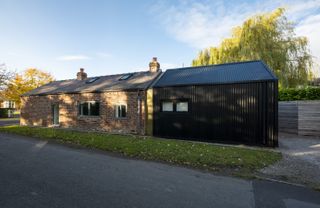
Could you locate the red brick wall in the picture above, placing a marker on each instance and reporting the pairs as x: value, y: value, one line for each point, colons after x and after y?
x: 36, y: 111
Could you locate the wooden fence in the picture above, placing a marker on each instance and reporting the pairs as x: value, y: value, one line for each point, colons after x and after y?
x: 300, y: 117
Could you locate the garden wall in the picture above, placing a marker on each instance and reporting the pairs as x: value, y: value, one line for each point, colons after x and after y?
x: 300, y: 117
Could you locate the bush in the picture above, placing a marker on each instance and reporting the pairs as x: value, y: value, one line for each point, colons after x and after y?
x: 3, y: 113
x: 308, y: 93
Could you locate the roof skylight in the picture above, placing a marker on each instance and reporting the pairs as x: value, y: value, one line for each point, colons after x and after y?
x: 92, y: 80
x: 125, y: 77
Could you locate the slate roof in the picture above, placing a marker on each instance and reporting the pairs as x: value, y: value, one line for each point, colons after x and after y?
x: 216, y: 74
x: 138, y: 81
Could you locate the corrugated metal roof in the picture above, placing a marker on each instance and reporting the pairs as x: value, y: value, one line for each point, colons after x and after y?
x: 216, y: 74
x: 138, y: 80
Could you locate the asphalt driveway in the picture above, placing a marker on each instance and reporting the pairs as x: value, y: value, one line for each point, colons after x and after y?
x: 9, y: 121
x: 36, y: 173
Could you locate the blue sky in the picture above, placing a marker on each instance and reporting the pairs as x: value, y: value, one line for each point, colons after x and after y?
x: 107, y: 37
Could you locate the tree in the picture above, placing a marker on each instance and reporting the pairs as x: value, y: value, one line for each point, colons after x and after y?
x: 5, y: 76
x: 24, y: 82
x: 269, y: 37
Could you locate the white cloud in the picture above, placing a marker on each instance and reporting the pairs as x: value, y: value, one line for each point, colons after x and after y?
x: 300, y: 9
x: 205, y: 23
x: 73, y: 58
x: 310, y: 27
x: 104, y: 55
x: 201, y: 24
x: 11, y: 53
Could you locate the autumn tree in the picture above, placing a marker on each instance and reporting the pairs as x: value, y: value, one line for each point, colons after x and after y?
x: 24, y: 82
x: 269, y: 37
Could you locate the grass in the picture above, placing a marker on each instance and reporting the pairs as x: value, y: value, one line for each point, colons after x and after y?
x: 9, y: 119
x: 234, y: 160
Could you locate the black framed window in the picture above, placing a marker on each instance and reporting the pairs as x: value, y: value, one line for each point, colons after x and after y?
x: 120, y: 111
x: 167, y: 106
x: 175, y: 105
x: 182, y: 106
x: 90, y: 108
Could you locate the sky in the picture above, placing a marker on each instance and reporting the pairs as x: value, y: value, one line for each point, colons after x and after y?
x: 111, y: 37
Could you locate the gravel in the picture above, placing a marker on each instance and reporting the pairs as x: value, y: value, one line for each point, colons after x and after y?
x: 300, y: 163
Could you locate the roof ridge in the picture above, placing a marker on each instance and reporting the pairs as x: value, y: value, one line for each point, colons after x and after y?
x: 268, y: 69
x: 111, y: 75
x: 103, y: 76
x: 229, y: 63
x: 253, y: 70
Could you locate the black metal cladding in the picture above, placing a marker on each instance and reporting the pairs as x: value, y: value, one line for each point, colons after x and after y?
x: 232, y: 113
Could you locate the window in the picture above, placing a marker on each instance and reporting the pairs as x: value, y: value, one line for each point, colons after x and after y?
x: 182, y: 106
x: 121, y: 111
x: 8, y: 104
x: 91, y: 108
x: 125, y: 77
x: 92, y: 80
x: 175, y: 106
x: 167, y: 106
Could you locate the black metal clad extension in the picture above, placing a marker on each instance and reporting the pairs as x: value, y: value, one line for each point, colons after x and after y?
x: 250, y: 71
x: 241, y: 108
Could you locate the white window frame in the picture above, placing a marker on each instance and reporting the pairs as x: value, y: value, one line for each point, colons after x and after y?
x: 8, y: 104
x: 116, y: 111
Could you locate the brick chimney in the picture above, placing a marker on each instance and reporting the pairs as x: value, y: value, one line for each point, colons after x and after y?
x: 154, y: 65
x: 81, y: 75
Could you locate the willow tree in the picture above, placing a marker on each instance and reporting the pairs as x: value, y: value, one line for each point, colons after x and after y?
x: 269, y: 37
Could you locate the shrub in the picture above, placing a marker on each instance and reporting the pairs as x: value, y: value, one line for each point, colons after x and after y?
x: 307, y: 93
x: 3, y: 113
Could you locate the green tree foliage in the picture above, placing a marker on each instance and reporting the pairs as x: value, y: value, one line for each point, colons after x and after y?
x: 269, y: 37
x: 24, y: 82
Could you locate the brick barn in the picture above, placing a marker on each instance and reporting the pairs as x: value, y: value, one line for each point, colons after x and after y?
x: 114, y: 103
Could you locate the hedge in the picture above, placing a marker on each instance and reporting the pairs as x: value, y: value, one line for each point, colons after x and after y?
x: 3, y: 113
x: 308, y: 93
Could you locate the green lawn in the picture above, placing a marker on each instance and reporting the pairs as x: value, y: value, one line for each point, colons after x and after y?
x: 9, y: 119
x: 233, y: 160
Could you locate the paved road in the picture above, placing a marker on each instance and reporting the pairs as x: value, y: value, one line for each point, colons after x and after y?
x: 8, y: 122
x: 35, y: 173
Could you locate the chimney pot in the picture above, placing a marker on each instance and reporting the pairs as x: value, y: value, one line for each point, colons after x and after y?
x: 154, y: 65
x: 81, y: 75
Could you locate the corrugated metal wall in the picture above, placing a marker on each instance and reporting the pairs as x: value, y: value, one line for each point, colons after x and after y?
x: 240, y: 113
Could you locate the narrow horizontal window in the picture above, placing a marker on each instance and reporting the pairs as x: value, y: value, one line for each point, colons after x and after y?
x: 91, y: 108
x: 182, y: 106
x: 120, y: 111
x: 167, y: 106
